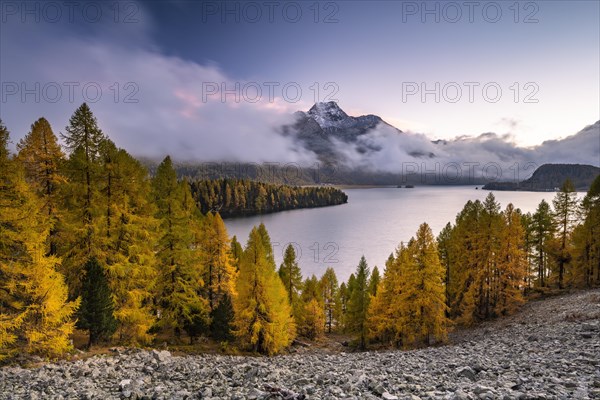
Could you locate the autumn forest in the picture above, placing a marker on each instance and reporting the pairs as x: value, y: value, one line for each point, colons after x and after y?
x: 91, y: 242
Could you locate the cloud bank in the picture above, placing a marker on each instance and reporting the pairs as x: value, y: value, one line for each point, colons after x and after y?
x: 491, y: 155
x: 154, y: 104
x: 149, y: 103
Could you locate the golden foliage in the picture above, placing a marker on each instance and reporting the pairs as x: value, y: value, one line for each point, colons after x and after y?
x: 263, y: 316
x: 33, y: 296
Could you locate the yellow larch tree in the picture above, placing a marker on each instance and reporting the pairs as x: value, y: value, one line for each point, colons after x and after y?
x: 42, y: 159
x: 180, y: 304
x: 263, y: 316
x: 129, y: 239
x: 383, y: 315
x: 81, y: 238
x: 219, y: 268
x: 312, y: 321
x: 512, y: 264
x: 410, y: 305
x: 34, y: 310
x: 423, y: 298
x: 586, y: 240
x: 331, y: 299
x: 219, y: 275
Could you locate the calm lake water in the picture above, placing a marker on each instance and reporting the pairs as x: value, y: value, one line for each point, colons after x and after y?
x: 372, y: 223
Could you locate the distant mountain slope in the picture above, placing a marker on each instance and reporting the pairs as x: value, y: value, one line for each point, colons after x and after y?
x: 324, y: 124
x: 366, y: 150
x: 373, y: 146
x: 549, y: 177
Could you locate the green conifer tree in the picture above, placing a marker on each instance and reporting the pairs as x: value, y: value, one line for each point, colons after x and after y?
x: 358, y: 304
x: 96, y: 314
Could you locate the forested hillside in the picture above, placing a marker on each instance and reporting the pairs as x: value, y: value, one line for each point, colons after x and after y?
x: 237, y: 197
x: 89, y: 243
x: 550, y: 177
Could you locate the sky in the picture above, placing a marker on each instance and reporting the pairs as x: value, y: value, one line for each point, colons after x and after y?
x: 210, y: 80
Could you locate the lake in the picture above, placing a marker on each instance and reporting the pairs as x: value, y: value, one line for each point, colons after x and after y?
x: 372, y: 223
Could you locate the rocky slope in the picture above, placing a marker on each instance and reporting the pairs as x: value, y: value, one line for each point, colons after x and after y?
x: 325, y: 125
x: 549, y: 350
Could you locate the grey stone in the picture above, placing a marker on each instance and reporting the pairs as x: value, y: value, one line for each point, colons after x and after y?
x: 125, y: 384
x: 466, y: 372
x: 161, y: 356
x: 481, y: 389
x: 459, y: 395
x: 254, y: 394
x: 499, y: 364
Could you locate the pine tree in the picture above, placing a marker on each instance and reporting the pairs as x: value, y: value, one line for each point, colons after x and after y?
x: 291, y: 276
x: 84, y: 141
x: 97, y: 308
x: 543, y: 229
x: 33, y: 295
x: 565, y: 214
x: 42, y: 159
x: 222, y: 320
x: 179, y: 302
x: 331, y: 298
x: 423, y: 300
x: 263, y: 317
x: 374, y: 281
x: 358, y: 304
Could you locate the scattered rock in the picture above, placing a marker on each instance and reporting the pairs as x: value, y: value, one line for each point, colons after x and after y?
x: 535, y: 354
x: 467, y: 372
x: 161, y: 356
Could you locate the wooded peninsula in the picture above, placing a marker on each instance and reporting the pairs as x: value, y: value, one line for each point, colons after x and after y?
x: 90, y: 242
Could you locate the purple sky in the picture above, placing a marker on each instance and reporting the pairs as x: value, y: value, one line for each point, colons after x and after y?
x: 159, y: 65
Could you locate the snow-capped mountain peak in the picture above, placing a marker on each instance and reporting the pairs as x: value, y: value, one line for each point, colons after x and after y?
x: 328, y: 114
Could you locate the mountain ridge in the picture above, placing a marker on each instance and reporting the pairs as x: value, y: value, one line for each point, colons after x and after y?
x: 337, y: 138
x: 550, y: 177
x: 366, y: 150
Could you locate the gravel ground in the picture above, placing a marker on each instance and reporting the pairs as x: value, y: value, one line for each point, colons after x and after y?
x: 549, y: 350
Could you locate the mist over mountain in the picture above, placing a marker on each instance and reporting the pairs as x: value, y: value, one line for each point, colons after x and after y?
x: 371, y: 145
x: 343, y: 149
